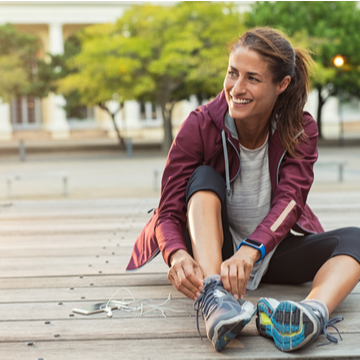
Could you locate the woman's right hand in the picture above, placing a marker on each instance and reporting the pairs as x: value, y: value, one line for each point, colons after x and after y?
x: 185, y: 274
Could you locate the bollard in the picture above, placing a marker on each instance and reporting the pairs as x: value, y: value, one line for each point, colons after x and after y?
x: 156, y: 180
x: 22, y: 151
x: 129, y: 148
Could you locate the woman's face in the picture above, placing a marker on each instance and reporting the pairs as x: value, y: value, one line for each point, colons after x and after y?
x: 250, y: 91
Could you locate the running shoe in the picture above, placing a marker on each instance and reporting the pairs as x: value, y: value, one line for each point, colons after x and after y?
x: 293, y: 325
x: 224, y: 316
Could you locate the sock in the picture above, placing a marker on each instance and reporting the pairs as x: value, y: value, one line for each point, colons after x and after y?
x: 319, y: 306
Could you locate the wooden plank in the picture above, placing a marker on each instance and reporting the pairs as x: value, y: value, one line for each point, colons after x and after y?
x: 52, y: 311
x: 89, y: 293
x: 42, y: 310
x: 76, y: 265
x: 103, y: 293
x: 243, y: 347
x: 59, y: 241
x: 74, y: 207
x: 124, y: 328
x: 131, y: 279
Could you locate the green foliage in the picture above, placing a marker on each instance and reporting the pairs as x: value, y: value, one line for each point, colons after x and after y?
x: 329, y: 27
x: 13, y: 78
x: 20, y: 70
x: 161, y: 54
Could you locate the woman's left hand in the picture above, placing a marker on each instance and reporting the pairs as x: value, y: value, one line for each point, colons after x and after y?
x: 235, y: 272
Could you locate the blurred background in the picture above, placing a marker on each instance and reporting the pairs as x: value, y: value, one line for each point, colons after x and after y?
x: 93, y: 92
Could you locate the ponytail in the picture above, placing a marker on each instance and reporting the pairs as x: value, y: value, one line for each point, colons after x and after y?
x: 288, y: 109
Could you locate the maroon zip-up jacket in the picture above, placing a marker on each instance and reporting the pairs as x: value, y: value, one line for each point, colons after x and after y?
x: 199, y: 142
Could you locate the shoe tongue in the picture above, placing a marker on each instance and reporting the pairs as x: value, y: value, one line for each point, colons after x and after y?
x: 212, y: 277
x: 218, y: 293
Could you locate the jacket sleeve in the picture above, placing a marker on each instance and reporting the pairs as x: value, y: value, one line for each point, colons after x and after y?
x: 289, y: 199
x: 185, y: 155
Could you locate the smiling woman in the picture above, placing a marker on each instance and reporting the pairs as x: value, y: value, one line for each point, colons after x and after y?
x: 234, y: 187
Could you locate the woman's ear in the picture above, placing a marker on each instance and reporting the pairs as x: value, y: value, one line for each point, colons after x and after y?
x: 283, y: 84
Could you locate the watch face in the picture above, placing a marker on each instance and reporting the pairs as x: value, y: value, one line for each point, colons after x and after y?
x: 253, y: 242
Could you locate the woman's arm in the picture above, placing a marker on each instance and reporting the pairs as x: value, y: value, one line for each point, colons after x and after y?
x: 295, y: 180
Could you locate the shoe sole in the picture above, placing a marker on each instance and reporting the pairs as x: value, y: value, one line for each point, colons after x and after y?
x: 290, y: 325
x: 227, y: 330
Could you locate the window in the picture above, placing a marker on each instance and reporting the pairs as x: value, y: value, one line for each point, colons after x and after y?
x: 142, y: 111
x: 26, y: 112
x: 148, y: 111
x: 153, y: 111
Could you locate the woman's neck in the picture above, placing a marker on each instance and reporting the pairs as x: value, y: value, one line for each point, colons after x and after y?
x: 250, y: 136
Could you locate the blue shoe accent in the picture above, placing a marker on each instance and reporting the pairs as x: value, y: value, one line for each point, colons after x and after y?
x: 292, y: 325
x: 224, y: 316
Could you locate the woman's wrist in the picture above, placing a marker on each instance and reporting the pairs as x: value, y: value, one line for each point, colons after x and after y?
x: 253, y: 254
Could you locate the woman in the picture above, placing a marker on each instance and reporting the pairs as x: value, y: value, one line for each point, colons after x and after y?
x: 234, y: 193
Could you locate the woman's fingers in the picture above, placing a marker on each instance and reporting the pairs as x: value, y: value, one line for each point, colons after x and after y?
x: 186, y: 275
x: 235, y: 274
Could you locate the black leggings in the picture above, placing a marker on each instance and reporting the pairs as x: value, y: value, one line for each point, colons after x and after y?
x: 297, y: 258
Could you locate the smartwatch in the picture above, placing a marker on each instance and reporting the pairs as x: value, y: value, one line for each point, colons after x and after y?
x: 254, y: 244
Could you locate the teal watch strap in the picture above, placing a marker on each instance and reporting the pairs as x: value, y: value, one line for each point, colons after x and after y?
x: 256, y: 245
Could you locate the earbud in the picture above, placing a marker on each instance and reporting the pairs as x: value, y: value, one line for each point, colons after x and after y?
x: 109, y: 312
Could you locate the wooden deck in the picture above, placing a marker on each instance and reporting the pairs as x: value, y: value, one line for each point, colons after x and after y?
x: 61, y: 254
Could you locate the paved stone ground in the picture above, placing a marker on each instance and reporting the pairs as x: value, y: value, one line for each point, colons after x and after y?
x: 111, y: 174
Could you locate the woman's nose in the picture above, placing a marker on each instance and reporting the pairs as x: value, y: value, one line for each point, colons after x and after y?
x: 239, y: 86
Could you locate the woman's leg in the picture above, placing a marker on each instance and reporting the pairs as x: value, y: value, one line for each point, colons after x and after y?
x: 207, y: 236
x: 209, y: 241
x: 205, y: 229
x: 335, y: 280
x: 332, y: 261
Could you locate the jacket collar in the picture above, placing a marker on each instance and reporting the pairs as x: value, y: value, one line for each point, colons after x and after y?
x: 217, y: 110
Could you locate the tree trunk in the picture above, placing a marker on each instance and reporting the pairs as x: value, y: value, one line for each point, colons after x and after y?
x: 168, y: 136
x: 321, y: 102
x: 120, y: 138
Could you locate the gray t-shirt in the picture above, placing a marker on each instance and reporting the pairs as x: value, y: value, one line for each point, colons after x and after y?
x: 251, y: 199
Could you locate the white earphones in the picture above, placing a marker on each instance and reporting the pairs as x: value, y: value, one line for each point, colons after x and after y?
x: 109, y: 312
x: 129, y: 305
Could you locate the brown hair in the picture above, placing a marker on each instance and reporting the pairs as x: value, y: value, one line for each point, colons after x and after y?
x: 283, y: 60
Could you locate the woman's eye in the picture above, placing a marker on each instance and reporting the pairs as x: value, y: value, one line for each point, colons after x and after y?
x: 251, y: 78
x: 232, y: 73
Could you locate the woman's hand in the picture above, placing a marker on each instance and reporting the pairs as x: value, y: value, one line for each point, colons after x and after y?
x: 235, y: 272
x: 185, y: 274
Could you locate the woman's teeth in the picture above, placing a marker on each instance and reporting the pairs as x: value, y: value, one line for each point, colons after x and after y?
x: 241, y: 101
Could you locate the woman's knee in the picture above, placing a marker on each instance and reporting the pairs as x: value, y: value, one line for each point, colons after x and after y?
x: 206, y: 179
x: 205, y: 198
x: 349, y: 242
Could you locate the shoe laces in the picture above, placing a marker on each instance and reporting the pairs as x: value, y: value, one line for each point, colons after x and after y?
x: 330, y: 323
x: 206, y: 302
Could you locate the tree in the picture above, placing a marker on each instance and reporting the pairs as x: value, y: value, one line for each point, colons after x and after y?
x: 328, y: 28
x: 20, y: 68
x: 158, y: 54
x: 98, y: 73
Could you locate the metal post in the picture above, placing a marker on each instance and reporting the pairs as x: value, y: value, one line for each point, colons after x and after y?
x: 22, y: 151
x: 129, y: 147
x: 65, y: 181
x: 341, y: 140
x: 341, y: 172
x: 156, y: 180
x: 9, y: 181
